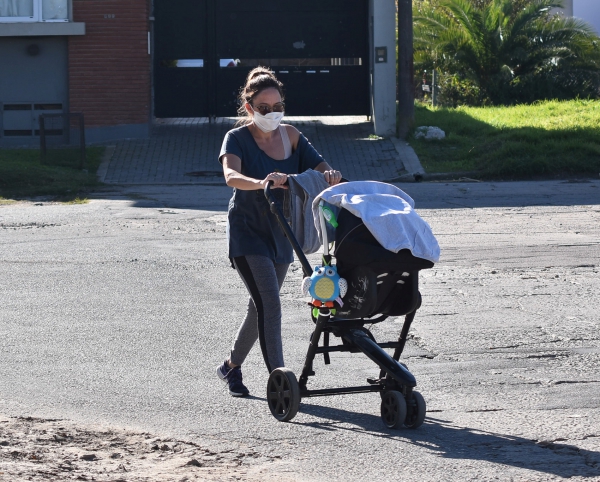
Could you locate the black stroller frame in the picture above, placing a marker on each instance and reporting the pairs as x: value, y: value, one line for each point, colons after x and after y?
x: 401, y: 405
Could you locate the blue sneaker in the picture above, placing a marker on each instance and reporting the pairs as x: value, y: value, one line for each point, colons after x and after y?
x: 233, y: 377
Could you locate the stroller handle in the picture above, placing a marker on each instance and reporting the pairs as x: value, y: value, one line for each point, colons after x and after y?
x: 276, y: 210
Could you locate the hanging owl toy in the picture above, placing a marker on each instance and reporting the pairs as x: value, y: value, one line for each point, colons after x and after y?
x: 325, y: 286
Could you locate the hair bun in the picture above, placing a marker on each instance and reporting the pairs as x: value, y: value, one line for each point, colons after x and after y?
x: 258, y: 71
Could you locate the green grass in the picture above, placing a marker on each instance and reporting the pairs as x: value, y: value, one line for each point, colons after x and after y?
x: 77, y: 200
x: 22, y: 175
x: 549, y: 139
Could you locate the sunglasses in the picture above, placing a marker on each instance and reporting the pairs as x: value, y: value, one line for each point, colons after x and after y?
x: 265, y: 109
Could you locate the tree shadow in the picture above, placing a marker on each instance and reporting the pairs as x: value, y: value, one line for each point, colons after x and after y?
x: 504, y: 153
x: 177, y: 166
x: 447, y: 440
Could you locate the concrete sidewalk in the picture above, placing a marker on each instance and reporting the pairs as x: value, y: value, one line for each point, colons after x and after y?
x: 185, y: 151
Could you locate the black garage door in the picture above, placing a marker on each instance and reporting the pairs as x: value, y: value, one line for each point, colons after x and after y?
x: 204, y: 49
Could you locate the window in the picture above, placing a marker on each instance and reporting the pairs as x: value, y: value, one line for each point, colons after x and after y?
x: 308, y: 62
x: 34, y: 10
x: 186, y: 63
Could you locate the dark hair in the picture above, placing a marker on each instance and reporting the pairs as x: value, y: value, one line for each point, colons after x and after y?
x: 259, y: 79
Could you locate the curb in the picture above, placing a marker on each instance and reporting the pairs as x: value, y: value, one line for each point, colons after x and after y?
x: 409, y: 159
x: 103, y: 168
x: 462, y: 176
x: 415, y: 171
x: 165, y: 183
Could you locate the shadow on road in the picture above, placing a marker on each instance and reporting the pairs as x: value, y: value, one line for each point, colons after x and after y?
x: 427, y: 195
x: 460, y: 195
x: 444, y: 439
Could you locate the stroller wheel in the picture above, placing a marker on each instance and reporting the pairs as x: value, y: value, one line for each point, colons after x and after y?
x: 382, y: 374
x: 393, y: 409
x: 417, y: 408
x: 283, y: 394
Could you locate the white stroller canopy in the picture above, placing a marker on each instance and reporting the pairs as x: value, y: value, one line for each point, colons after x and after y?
x: 387, y: 212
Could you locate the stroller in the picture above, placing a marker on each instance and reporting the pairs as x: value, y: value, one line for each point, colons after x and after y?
x: 378, y: 284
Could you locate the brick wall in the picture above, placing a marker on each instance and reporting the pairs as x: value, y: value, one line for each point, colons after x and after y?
x: 109, y: 66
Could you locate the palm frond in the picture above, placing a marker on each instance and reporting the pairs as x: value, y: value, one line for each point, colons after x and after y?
x: 494, y: 43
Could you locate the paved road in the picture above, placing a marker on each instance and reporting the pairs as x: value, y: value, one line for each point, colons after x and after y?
x: 118, y: 311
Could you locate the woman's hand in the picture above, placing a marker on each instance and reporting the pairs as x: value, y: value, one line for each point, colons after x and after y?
x: 333, y: 177
x: 278, y: 178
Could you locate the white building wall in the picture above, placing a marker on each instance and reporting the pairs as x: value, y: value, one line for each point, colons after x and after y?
x: 568, y: 8
x: 588, y: 10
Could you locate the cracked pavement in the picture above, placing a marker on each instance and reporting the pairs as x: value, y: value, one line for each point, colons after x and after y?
x: 117, y: 312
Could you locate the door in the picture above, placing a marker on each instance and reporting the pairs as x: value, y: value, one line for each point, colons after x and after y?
x: 204, y: 50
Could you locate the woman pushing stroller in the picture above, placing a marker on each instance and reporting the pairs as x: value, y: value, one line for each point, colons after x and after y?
x: 262, y: 150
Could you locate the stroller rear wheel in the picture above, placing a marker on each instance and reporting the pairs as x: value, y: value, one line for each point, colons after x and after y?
x: 417, y: 408
x: 393, y: 409
x: 283, y: 394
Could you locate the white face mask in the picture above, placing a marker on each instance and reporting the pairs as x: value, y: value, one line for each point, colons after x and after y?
x: 269, y: 122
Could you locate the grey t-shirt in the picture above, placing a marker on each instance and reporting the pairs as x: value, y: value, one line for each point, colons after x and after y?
x: 252, y: 229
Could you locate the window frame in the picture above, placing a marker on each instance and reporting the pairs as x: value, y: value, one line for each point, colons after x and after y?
x: 37, y: 15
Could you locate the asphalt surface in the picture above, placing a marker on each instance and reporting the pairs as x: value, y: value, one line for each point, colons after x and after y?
x: 118, y: 311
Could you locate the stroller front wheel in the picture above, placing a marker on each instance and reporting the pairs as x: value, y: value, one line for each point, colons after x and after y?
x: 283, y: 394
x: 393, y: 409
x: 417, y: 408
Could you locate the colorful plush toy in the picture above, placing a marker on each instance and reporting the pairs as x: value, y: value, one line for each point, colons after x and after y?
x: 325, y: 286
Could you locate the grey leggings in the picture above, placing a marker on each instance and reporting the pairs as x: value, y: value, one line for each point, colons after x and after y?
x: 264, y: 279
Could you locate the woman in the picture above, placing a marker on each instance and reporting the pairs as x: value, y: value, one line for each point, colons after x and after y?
x: 262, y: 150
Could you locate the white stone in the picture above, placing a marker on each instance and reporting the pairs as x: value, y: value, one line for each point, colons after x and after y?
x: 429, y: 132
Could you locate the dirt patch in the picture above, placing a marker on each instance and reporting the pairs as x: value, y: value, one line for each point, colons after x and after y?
x: 34, y: 449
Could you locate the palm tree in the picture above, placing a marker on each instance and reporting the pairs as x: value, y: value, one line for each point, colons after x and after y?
x: 508, y: 49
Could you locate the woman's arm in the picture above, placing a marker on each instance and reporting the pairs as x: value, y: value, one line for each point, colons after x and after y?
x: 232, y: 165
x: 332, y: 176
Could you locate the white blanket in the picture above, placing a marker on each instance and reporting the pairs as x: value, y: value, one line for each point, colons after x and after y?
x: 388, y: 213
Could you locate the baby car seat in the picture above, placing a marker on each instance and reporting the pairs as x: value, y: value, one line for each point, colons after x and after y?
x: 379, y: 281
